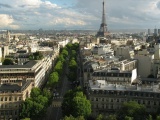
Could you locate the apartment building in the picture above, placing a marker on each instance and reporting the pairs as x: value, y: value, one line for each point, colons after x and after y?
x: 16, y: 82
x: 108, y: 98
x: 125, y: 51
x: 113, y: 70
x: 11, y: 97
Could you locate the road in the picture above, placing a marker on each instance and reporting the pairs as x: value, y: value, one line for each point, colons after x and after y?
x: 54, y: 112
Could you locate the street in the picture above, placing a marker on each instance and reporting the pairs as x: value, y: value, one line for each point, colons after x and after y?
x: 54, y: 112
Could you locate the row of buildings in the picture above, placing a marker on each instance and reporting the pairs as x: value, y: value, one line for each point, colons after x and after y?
x: 17, y: 81
x: 117, y: 71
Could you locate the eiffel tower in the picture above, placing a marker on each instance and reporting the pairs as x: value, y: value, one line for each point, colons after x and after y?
x: 103, y: 31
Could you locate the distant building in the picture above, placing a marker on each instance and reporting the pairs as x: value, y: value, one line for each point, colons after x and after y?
x: 155, y: 32
x: 125, y: 52
x: 8, y: 37
x: 149, y: 31
x: 144, y: 62
x: 158, y: 31
x: 102, y: 49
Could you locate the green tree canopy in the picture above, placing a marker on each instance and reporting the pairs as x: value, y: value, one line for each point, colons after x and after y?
x: 36, y: 56
x: 73, y: 53
x: 35, y: 92
x: 53, y: 79
x: 37, y: 110
x: 58, y: 68
x: 61, y: 58
x: 69, y: 46
x: 99, y: 117
x: 46, y: 93
x: 64, y: 53
x: 26, y: 108
x: 7, y: 61
x: 72, y: 65
x: 128, y: 118
x: 72, y: 76
x: 111, y: 117
x: 75, y: 46
x: 73, y: 118
x: 132, y: 109
x: 42, y: 100
x: 76, y: 104
x: 158, y: 117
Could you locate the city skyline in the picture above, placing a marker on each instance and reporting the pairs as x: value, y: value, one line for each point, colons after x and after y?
x: 78, y: 14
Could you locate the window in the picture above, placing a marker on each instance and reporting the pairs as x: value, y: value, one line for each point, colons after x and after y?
x: 143, y: 102
x: 15, y: 98
x: 10, y: 98
x: 92, y: 99
x: 5, y: 98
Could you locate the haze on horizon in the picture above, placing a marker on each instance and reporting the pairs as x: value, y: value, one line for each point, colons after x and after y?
x: 78, y: 14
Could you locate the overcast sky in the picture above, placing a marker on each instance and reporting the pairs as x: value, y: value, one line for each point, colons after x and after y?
x: 78, y: 14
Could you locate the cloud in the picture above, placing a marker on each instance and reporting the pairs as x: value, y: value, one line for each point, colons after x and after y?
x: 83, y: 14
x: 6, y: 21
x: 67, y: 22
x: 5, y: 5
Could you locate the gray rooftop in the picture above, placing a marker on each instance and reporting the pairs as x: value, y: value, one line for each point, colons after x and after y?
x: 9, y: 87
x: 29, y: 64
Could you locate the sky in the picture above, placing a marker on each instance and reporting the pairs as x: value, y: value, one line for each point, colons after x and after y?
x: 78, y: 14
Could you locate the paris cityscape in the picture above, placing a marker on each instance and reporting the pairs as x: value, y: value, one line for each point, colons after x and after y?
x: 79, y: 60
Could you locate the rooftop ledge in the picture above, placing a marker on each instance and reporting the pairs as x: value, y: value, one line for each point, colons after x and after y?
x: 102, y: 85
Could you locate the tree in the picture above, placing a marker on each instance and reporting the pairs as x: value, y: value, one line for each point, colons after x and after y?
x: 73, y: 65
x: 37, y: 110
x: 99, y: 117
x: 36, y: 56
x: 35, y: 106
x: 76, y: 104
x: 35, y: 92
x: 58, y: 67
x: 53, y: 79
x: 158, y: 117
x: 64, y: 53
x: 72, y: 76
x: 73, y: 53
x: 111, y: 117
x: 46, y: 93
x: 61, y: 58
x: 42, y: 100
x: 7, y: 61
x: 149, y: 117
x: 132, y: 109
x: 128, y: 118
x: 26, y: 108
x: 75, y: 46
x: 73, y: 118
x: 69, y: 46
